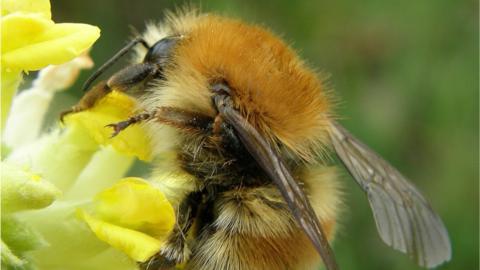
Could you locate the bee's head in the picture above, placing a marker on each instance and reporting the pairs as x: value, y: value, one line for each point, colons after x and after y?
x: 133, y: 77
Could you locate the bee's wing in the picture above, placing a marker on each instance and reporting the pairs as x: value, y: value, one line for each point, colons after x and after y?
x: 404, y: 218
x: 275, y: 168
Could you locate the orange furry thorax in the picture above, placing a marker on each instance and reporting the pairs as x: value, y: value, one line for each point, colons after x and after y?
x: 272, y: 87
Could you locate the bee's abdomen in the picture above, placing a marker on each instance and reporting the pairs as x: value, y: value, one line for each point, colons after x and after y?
x: 252, y: 228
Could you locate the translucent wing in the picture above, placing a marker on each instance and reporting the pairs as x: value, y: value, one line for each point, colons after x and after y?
x: 404, y: 218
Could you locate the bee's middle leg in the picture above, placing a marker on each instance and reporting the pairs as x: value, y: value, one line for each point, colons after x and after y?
x: 181, y: 119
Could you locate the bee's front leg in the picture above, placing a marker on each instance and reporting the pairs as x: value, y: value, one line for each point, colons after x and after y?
x: 89, y: 100
x: 175, y: 250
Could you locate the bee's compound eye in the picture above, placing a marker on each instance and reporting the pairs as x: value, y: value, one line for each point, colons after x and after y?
x: 160, y: 51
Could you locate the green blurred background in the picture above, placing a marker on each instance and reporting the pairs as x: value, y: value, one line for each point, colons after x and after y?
x: 407, y: 75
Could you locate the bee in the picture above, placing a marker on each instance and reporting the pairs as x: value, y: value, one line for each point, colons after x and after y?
x: 248, y: 123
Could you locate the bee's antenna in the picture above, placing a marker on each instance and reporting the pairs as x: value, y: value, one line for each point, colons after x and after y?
x: 112, y: 60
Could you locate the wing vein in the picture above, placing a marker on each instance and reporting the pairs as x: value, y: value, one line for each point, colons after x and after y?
x: 404, y: 218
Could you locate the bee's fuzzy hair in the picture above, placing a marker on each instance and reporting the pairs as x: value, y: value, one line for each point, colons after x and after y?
x: 254, y: 228
x: 281, y: 97
x: 274, y: 89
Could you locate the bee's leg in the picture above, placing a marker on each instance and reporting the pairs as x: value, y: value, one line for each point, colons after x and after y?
x: 175, y: 250
x: 181, y: 119
x: 120, y: 126
x: 89, y: 99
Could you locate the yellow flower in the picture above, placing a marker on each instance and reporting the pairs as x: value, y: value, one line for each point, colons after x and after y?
x: 72, y: 163
x: 114, y: 107
x: 31, y: 41
x: 132, y: 216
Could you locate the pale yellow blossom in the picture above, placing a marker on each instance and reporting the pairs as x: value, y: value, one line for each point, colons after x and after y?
x: 132, y: 216
x: 30, y: 40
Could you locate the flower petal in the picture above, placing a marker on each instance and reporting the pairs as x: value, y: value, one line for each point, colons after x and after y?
x: 31, y: 6
x: 137, y: 245
x: 21, y: 29
x: 113, y: 108
x: 71, y: 243
x: 59, y: 157
x: 23, y: 190
x: 136, y: 204
x: 103, y: 170
x: 20, y: 236
x: 59, y: 43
